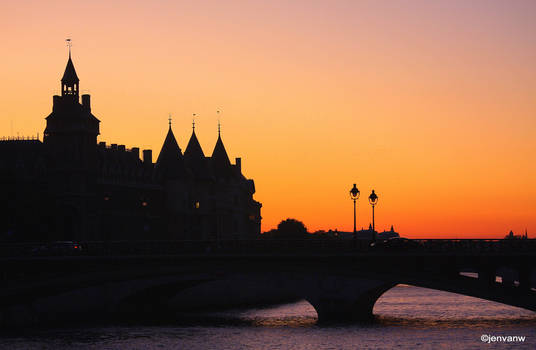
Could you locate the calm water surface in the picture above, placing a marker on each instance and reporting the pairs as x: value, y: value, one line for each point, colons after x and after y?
x: 406, y: 318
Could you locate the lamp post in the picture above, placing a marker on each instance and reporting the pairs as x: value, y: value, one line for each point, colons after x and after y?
x: 354, y: 195
x: 373, y: 200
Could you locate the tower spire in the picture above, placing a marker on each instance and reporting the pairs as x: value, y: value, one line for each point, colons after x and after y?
x: 219, y: 124
x: 69, y: 45
x: 193, y: 121
x: 169, y: 120
x: 70, y: 81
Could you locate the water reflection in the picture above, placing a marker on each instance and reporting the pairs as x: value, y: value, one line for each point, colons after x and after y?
x: 405, y: 317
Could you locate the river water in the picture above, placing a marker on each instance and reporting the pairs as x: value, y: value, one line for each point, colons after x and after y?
x: 406, y: 318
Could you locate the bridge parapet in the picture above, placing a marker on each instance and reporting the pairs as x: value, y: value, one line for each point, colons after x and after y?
x: 304, y: 246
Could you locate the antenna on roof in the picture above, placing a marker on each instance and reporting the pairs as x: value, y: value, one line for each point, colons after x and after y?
x: 69, y: 45
x: 219, y: 124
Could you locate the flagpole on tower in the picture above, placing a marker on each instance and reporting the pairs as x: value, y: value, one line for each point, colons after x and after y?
x: 219, y: 124
x: 69, y: 45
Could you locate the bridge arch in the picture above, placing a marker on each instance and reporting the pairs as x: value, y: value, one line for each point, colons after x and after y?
x: 355, y: 308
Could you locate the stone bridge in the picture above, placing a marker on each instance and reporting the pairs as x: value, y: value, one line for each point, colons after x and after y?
x: 342, y: 282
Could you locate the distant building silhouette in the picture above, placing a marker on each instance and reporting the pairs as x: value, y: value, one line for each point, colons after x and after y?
x: 69, y: 187
x: 511, y: 235
x: 366, y: 234
x: 388, y: 234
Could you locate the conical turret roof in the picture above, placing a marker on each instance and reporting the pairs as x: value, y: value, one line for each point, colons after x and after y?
x: 69, y: 76
x: 220, y: 160
x: 195, y: 158
x: 194, y: 150
x: 170, y: 163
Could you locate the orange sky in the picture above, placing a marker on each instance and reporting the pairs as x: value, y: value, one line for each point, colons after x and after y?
x: 432, y: 104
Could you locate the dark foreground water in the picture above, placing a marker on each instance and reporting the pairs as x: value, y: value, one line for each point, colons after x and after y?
x: 406, y: 318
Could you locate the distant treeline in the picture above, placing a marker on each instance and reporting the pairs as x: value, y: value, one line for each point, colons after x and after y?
x: 293, y: 229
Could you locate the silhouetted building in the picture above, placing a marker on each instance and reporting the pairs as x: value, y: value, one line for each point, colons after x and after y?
x: 388, y: 234
x: 511, y: 235
x: 366, y: 234
x: 69, y: 187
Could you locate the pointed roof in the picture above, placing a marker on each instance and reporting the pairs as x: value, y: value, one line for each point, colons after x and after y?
x: 170, y: 163
x: 220, y: 160
x: 194, y: 150
x: 69, y: 76
x: 195, y: 158
x: 220, y: 153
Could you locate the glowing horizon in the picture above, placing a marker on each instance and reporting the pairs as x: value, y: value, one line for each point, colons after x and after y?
x: 430, y: 104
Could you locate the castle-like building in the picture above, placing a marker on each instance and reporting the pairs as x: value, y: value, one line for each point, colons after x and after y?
x: 71, y: 187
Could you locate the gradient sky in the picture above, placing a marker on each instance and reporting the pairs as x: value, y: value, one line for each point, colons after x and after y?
x: 431, y: 103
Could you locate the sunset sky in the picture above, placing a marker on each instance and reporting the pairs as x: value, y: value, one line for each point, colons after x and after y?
x: 430, y: 103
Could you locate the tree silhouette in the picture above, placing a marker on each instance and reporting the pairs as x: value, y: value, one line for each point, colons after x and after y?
x: 288, y: 229
x: 291, y: 229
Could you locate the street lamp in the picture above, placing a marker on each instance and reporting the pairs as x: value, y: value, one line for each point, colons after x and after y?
x: 373, y: 200
x: 354, y: 195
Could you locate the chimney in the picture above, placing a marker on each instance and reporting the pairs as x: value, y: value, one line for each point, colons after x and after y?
x: 121, y: 148
x: 136, y: 152
x: 102, y: 145
x: 239, y: 164
x: 147, y: 156
x: 86, y: 102
x: 114, y: 146
x: 55, y: 102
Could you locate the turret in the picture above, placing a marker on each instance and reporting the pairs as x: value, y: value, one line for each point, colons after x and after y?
x: 195, y: 157
x: 71, y: 130
x: 170, y: 163
x: 221, y: 164
x: 70, y: 81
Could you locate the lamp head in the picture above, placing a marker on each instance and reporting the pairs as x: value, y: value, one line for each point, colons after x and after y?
x: 373, y: 198
x: 354, y: 193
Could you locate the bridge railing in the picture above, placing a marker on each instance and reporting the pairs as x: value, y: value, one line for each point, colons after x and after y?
x: 225, y: 247
x: 299, y: 246
x: 477, y: 246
